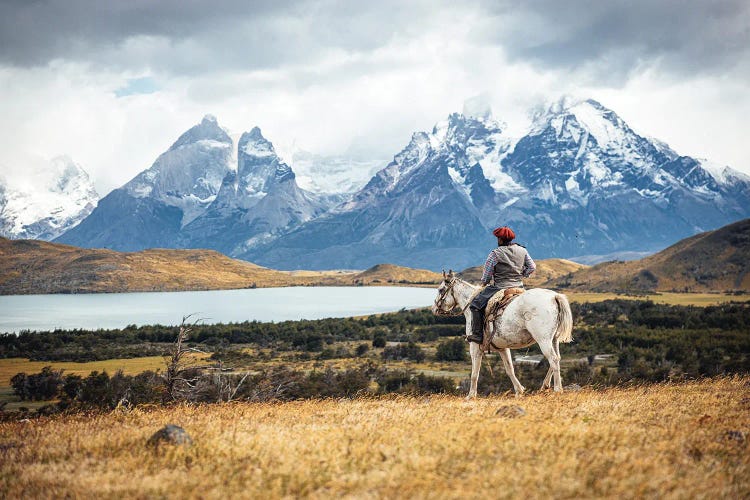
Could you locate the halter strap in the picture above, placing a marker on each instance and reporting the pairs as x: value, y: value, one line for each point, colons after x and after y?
x: 449, y: 289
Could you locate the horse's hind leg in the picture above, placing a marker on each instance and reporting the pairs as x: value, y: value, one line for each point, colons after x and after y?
x: 549, y: 351
x: 547, y: 379
x: 476, y: 364
x: 550, y: 371
x: 508, y: 363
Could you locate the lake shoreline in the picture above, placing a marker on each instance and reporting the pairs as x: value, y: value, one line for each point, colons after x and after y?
x: 118, y: 310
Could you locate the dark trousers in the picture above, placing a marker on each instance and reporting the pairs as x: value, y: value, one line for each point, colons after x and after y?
x: 480, y: 301
x: 477, y: 311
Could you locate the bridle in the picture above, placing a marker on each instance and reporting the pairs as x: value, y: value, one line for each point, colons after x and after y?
x: 440, y: 302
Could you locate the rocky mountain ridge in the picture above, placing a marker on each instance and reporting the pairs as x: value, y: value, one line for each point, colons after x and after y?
x: 581, y: 182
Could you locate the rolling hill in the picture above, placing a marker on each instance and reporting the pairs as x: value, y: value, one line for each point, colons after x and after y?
x: 547, y: 270
x: 32, y: 266
x: 712, y: 261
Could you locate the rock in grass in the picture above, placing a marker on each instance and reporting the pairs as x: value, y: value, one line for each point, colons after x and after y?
x: 737, y: 436
x: 510, y: 411
x: 170, y: 434
x: 572, y: 388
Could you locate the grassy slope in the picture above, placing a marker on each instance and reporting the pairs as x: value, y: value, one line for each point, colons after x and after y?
x: 30, y: 266
x: 715, y: 260
x: 676, y: 441
x: 546, y: 271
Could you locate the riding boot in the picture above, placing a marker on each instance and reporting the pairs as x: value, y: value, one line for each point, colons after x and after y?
x: 477, y: 326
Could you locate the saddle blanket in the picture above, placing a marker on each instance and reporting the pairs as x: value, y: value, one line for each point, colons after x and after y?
x: 495, y: 308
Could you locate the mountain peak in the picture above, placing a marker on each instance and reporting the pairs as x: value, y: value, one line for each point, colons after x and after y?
x: 254, y: 144
x: 207, y: 130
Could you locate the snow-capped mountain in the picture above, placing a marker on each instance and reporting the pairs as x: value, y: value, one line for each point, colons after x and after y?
x: 151, y: 209
x: 580, y: 182
x: 254, y: 203
x: 53, y: 200
x: 194, y: 196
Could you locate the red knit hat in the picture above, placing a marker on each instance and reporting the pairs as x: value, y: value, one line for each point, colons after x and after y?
x: 504, y: 233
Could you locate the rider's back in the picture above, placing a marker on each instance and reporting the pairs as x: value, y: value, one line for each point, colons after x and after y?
x: 508, y: 272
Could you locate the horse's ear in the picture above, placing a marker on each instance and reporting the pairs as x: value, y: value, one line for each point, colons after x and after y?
x: 450, y: 273
x: 444, y: 274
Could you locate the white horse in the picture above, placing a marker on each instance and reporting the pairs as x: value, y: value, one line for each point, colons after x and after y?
x: 537, y: 316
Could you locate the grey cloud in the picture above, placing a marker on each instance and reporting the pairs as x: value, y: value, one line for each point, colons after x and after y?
x: 606, y: 40
x: 188, y: 37
x: 615, y: 38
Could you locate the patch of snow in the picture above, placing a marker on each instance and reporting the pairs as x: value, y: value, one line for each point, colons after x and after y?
x: 460, y: 181
x: 210, y: 143
x: 260, y: 149
x: 720, y: 173
x: 608, y: 135
x: 333, y: 174
x: 547, y: 192
x: 510, y: 202
x: 439, y: 132
x: 140, y: 190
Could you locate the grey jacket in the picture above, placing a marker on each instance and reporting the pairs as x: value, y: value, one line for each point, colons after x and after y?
x: 507, y: 265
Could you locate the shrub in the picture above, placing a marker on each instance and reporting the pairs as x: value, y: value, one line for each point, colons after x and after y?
x: 404, y: 351
x: 361, y: 350
x: 39, y: 386
x: 451, y: 350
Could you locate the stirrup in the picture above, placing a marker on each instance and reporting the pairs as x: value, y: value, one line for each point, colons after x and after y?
x: 473, y: 338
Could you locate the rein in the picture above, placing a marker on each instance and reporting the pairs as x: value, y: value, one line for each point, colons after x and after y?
x: 449, y: 289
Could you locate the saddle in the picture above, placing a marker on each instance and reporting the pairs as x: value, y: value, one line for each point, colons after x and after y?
x: 495, y: 308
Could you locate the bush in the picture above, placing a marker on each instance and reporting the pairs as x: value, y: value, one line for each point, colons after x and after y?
x: 404, y: 351
x: 404, y: 381
x: 39, y: 386
x: 452, y: 350
x: 378, y: 340
x: 361, y: 350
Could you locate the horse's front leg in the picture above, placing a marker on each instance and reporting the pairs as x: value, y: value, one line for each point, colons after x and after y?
x: 476, y: 364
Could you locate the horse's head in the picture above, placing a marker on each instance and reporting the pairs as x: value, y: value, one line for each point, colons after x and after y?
x: 445, y: 302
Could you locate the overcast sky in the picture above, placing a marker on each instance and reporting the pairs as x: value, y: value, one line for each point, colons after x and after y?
x: 113, y: 84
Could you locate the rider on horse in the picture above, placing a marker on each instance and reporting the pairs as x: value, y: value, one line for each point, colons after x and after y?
x: 506, y: 265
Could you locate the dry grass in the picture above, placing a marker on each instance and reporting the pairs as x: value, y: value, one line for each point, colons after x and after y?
x: 31, y: 266
x: 129, y: 366
x: 714, y: 260
x: 670, y: 441
x: 547, y: 270
x: 674, y: 299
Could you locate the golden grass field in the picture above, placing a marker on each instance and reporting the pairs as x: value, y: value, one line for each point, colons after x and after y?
x: 660, y: 441
x: 670, y: 298
x: 129, y: 366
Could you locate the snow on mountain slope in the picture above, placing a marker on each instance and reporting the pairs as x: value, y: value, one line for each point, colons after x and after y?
x: 330, y: 174
x: 580, y: 182
x: 189, y: 174
x: 51, y: 201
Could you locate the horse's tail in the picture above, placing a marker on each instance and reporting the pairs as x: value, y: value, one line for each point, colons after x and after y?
x: 564, y: 332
